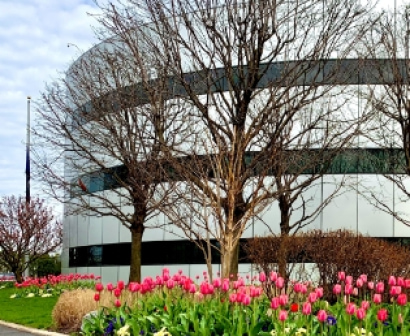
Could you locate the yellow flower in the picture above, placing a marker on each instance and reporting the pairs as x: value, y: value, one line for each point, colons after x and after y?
x: 30, y: 295
x: 300, y: 332
x: 123, y: 331
x: 361, y: 332
x: 162, y: 333
x: 13, y: 296
x: 46, y: 295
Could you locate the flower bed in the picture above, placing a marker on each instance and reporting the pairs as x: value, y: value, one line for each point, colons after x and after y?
x: 53, y: 285
x: 177, y: 305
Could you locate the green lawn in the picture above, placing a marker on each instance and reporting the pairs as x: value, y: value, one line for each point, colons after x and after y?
x: 32, y: 312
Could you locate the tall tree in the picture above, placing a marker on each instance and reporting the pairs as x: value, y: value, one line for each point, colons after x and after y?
x: 388, y: 99
x: 27, y: 233
x: 252, y: 80
x: 108, y: 133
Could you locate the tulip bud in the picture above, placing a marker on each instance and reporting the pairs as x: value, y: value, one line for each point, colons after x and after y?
x: 97, y: 297
x: 380, y: 287
x: 350, y: 308
x: 246, y: 300
x: 307, y: 308
x: 283, y: 315
x: 377, y: 298
x: 322, y: 315
x: 402, y: 299
x: 262, y: 277
x: 337, y: 289
x: 280, y: 282
x: 117, y: 303
x: 382, y: 315
x: 275, y: 303
x: 360, y: 314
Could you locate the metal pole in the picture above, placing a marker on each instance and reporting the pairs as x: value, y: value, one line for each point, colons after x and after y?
x: 28, y: 152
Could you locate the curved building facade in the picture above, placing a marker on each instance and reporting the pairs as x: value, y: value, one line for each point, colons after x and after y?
x: 102, y: 244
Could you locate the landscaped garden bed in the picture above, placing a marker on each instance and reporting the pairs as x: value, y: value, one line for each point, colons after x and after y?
x: 179, y: 305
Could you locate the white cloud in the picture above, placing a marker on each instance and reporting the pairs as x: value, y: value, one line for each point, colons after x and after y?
x: 33, y: 50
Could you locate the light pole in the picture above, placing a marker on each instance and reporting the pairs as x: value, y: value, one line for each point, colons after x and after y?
x: 28, y: 153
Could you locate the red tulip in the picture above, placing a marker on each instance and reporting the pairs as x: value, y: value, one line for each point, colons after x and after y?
x: 402, y: 299
x: 110, y: 287
x: 97, y: 297
x: 294, y: 307
x: 120, y: 285
x: 382, y: 315
x: 117, y: 292
x: 117, y: 303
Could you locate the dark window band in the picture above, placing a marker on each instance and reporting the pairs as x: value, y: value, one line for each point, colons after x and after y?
x: 177, y: 252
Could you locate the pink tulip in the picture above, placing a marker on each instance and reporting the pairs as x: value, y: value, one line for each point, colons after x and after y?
x: 232, y: 298
x: 341, y: 276
x: 307, y: 308
x: 377, y: 298
x: 395, y: 290
x: 322, y: 315
x: 120, y: 285
x: 348, y: 289
x: 400, y: 281
x: 359, y: 283
x: 363, y: 277
x: 117, y: 292
x: 283, y: 315
x: 297, y: 287
x: 217, y: 283
x: 361, y: 314
x: 274, y: 304
x: 337, y: 289
x: 273, y: 276
x: 99, y: 287
x: 280, y: 282
x: 370, y: 285
x: 349, y: 280
x: 246, y: 300
x: 382, y: 315
x: 319, y: 292
x: 312, y: 297
x: 192, y: 288
x: 283, y: 300
x: 402, y: 299
x: 407, y: 283
x: 380, y: 287
x: 262, y: 277
x: 170, y: 284
x: 225, y: 286
x: 365, y: 305
x: 392, y: 281
x: 350, y: 308
x: 303, y: 289
x: 134, y: 287
x: 110, y: 287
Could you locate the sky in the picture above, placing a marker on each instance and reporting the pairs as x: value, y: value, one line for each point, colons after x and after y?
x: 38, y: 41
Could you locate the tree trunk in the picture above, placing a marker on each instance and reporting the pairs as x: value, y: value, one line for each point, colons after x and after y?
x: 19, y: 275
x: 284, y: 206
x: 136, y: 248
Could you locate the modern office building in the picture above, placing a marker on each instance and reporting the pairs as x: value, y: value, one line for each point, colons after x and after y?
x: 102, y: 245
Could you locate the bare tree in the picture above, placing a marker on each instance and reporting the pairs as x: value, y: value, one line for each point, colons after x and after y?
x: 255, y: 87
x: 27, y: 232
x: 109, y: 133
x: 388, y: 99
